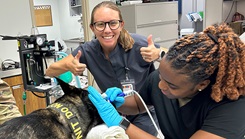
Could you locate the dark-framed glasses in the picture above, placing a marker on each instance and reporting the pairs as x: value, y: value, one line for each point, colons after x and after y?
x: 113, y: 25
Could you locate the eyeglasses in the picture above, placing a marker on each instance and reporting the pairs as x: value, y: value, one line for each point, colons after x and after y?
x: 113, y: 24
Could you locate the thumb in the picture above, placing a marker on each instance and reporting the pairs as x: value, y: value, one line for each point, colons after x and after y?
x: 79, y: 54
x: 77, y: 57
x: 150, y: 41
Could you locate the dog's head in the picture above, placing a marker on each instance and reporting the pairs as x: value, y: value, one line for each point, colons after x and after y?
x: 77, y: 100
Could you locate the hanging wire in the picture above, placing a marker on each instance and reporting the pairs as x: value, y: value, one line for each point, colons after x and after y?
x: 230, y: 11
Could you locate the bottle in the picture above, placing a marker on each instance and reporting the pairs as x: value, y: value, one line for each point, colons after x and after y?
x: 34, y: 30
x: 54, y: 82
x: 73, y: 2
x: 118, y: 2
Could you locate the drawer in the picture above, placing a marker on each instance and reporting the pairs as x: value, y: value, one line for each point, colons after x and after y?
x: 160, y: 33
x: 158, y: 12
x: 15, y: 80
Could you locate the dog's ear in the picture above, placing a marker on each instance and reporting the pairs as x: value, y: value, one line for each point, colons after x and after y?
x: 64, y: 86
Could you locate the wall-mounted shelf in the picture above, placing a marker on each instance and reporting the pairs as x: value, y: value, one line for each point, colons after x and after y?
x: 75, y: 7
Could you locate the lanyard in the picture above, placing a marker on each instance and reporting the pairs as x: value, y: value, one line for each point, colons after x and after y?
x: 125, y: 56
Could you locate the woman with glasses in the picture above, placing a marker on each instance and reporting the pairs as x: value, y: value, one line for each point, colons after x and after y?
x: 115, y: 57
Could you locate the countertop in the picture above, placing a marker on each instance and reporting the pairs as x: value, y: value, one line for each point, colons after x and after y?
x: 75, y: 40
x: 10, y: 73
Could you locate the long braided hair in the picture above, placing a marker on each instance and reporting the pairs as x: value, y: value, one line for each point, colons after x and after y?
x: 216, y: 54
x: 124, y: 39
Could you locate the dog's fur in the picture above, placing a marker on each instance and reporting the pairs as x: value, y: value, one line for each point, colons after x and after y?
x: 50, y: 123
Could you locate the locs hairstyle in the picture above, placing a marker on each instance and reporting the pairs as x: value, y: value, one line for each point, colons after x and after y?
x: 216, y: 54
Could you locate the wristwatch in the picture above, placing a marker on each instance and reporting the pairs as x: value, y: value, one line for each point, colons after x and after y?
x: 124, y: 123
x: 161, y: 54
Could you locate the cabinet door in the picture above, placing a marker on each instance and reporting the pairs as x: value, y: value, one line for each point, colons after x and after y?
x: 32, y: 102
x: 17, y: 91
x: 12, y: 81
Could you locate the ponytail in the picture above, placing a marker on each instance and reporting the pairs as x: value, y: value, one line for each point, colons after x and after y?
x: 125, y: 40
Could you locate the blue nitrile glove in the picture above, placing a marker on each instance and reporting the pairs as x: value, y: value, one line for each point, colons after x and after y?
x: 107, y: 111
x: 115, y: 95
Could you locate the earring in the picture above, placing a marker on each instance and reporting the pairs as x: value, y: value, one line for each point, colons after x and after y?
x: 199, y: 90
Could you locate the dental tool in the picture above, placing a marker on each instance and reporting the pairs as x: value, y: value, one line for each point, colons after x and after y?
x: 122, y: 94
x: 130, y: 93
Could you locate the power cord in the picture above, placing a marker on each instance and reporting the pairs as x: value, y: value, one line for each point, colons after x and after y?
x: 39, y: 95
x: 230, y: 11
x: 158, y: 130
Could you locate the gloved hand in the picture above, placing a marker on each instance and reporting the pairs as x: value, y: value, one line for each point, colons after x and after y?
x: 113, y: 95
x: 107, y: 111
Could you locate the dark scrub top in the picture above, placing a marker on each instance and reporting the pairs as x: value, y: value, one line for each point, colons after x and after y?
x: 110, y: 73
x: 226, y: 118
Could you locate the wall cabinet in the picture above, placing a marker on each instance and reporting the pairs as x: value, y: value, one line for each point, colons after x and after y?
x: 75, y: 7
x: 32, y: 102
x: 159, y: 19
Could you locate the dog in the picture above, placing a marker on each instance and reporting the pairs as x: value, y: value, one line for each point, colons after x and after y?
x: 71, y: 116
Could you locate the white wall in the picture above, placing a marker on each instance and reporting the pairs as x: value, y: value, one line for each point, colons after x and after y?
x: 69, y: 26
x: 213, y: 12
x: 64, y: 26
x: 54, y: 30
x: 15, y: 18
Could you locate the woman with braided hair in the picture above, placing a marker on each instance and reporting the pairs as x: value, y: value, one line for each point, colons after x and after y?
x: 198, y: 90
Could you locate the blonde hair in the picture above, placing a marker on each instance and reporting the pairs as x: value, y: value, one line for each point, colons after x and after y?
x: 125, y: 38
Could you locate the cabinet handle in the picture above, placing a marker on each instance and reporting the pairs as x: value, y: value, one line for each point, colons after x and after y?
x: 156, y: 21
x: 16, y: 87
x: 157, y: 39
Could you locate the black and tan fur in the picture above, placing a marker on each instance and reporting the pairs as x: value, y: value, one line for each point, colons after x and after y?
x: 50, y: 123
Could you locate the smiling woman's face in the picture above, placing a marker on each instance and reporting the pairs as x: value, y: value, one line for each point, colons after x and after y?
x: 107, y: 38
x: 173, y: 84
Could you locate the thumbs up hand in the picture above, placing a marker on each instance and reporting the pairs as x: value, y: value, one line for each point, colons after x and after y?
x: 77, y: 68
x: 150, y: 53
